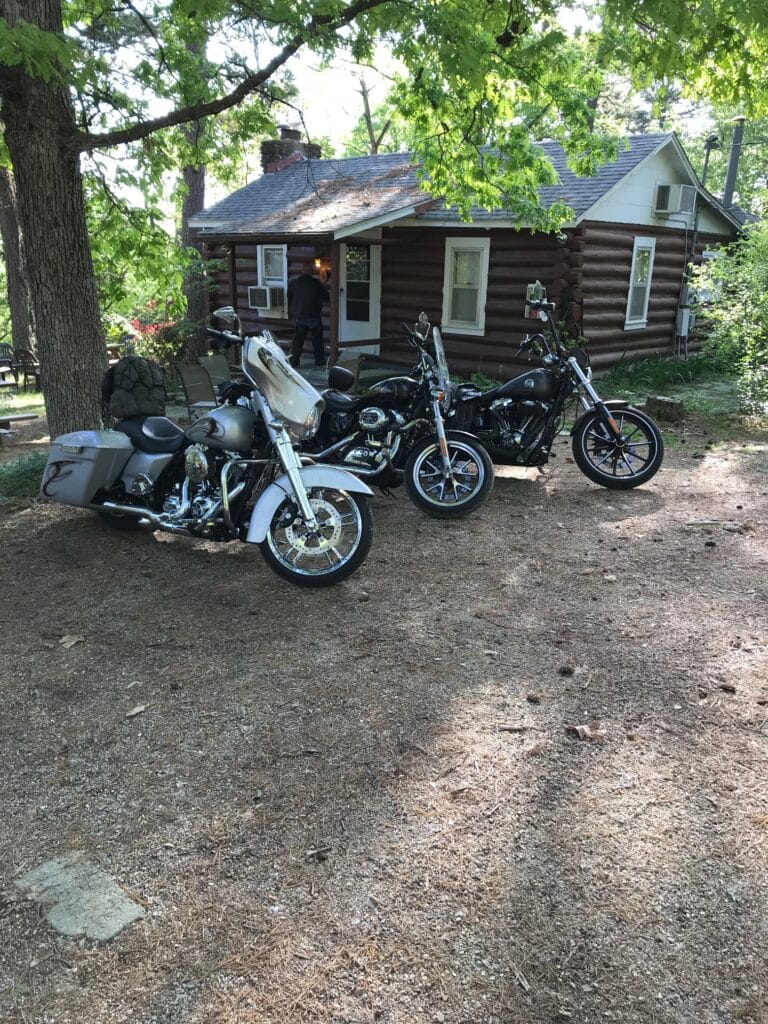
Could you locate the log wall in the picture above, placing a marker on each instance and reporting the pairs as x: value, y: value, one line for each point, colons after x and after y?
x: 413, y: 265
x: 236, y: 270
x: 601, y: 285
x: 588, y: 276
x: 604, y: 284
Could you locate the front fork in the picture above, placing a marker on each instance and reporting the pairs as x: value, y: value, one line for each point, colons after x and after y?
x: 437, y: 415
x: 597, y: 402
x: 292, y: 464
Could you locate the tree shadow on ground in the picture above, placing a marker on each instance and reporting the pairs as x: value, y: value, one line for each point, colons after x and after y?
x: 364, y: 804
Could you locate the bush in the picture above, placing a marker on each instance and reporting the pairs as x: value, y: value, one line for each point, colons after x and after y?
x: 484, y: 383
x: 20, y: 479
x: 735, y: 317
x: 658, y: 373
x: 164, y: 341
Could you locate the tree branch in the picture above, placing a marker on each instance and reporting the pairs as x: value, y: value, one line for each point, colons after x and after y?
x: 86, y: 142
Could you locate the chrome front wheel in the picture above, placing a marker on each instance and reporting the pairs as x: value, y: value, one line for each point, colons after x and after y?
x: 318, y: 558
x: 452, y: 494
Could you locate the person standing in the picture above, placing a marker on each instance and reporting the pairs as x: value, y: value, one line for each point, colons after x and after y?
x: 306, y: 296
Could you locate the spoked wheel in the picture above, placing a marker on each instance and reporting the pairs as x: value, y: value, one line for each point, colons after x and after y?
x: 623, y: 462
x: 449, y: 496
x: 336, y: 549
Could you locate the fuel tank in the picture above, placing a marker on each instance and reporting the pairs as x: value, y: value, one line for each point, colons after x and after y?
x: 229, y: 427
x: 399, y: 389
x: 538, y: 384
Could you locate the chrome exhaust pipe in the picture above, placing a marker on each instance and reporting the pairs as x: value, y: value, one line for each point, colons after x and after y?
x: 352, y: 467
x: 344, y: 443
x: 153, y: 518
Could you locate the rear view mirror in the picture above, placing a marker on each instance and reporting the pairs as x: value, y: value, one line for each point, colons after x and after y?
x: 227, y: 319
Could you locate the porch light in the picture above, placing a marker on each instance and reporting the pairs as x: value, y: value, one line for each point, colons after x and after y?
x: 322, y: 265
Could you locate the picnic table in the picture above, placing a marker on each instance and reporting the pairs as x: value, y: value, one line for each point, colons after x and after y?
x: 7, y: 422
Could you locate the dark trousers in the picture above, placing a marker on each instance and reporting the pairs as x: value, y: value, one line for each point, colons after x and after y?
x: 315, y: 328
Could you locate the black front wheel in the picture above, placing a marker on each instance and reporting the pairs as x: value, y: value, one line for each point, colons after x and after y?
x: 620, y: 462
x: 453, y: 494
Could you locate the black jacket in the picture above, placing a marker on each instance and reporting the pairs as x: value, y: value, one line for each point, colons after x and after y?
x: 306, y: 297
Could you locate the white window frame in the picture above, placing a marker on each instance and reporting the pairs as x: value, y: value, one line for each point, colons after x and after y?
x: 642, y: 244
x: 457, y: 244
x: 275, y: 282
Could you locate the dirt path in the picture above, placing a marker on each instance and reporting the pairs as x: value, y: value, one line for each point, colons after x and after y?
x: 366, y: 804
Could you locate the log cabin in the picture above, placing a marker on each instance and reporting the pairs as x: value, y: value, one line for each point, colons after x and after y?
x: 387, y: 250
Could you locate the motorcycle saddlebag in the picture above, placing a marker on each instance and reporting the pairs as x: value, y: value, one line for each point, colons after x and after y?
x: 83, y: 463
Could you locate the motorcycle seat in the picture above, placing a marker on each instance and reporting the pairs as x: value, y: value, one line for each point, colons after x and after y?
x: 337, y: 401
x: 154, y: 434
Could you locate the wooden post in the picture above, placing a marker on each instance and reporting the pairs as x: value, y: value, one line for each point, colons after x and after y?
x: 233, y: 276
x: 334, y: 311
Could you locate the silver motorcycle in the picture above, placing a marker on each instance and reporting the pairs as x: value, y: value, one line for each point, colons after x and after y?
x: 233, y: 474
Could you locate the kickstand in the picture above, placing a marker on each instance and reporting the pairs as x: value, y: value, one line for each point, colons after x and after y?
x: 542, y: 470
x: 386, y: 491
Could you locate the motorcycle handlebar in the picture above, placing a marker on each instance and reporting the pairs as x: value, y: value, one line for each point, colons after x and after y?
x: 413, y: 336
x: 225, y: 335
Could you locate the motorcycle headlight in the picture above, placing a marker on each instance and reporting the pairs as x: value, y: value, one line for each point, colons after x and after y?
x: 312, y: 422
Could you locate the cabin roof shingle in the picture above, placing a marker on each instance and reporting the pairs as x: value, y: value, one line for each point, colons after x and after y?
x: 328, y: 196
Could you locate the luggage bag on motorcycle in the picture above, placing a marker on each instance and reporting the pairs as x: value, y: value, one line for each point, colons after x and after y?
x: 134, y: 386
x: 83, y: 463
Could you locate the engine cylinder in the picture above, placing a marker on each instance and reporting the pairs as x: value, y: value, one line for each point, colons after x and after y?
x: 196, y: 464
x: 373, y: 420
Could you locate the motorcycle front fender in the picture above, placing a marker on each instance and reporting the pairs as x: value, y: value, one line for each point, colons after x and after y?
x: 280, y: 489
x: 612, y: 403
x: 462, y: 435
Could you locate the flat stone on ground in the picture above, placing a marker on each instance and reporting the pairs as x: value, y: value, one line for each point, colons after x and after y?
x: 80, y: 898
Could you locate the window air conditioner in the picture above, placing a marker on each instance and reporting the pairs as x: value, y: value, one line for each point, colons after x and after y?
x: 266, y: 299
x: 674, y: 199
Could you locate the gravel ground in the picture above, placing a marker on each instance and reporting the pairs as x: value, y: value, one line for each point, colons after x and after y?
x: 513, y: 770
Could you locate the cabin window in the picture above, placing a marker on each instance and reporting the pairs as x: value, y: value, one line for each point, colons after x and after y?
x: 640, y: 283
x: 272, y: 269
x: 465, y: 285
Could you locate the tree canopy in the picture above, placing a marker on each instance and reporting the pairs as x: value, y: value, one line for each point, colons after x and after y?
x: 480, y: 78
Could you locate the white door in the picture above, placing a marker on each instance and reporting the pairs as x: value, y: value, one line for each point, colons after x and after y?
x: 360, y: 294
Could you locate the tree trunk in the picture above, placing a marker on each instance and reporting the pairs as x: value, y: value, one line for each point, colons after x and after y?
x: 39, y: 123
x: 22, y: 335
x: 196, y: 285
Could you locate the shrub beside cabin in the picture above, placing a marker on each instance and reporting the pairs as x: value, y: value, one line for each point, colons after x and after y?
x: 388, y: 251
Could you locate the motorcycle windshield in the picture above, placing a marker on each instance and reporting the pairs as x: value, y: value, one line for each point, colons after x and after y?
x: 443, y: 376
x: 288, y: 394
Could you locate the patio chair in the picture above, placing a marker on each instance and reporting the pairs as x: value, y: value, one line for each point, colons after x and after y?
x: 217, y: 369
x: 9, y: 374
x: 28, y: 367
x: 198, y: 390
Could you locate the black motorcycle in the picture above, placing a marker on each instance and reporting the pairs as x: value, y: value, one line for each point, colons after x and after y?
x: 614, y: 444
x: 396, y: 430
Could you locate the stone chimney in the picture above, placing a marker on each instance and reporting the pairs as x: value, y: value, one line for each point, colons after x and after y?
x: 279, y: 153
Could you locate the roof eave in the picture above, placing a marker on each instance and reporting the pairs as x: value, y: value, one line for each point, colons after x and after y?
x: 361, y: 226
x: 718, y: 207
